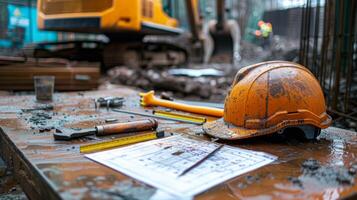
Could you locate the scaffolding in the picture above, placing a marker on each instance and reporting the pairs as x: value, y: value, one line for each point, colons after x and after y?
x: 328, y: 47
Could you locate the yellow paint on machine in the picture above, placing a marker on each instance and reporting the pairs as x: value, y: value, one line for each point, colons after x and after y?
x: 114, y: 15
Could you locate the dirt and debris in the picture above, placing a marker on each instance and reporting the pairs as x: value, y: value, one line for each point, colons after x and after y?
x: 49, y: 119
x: 211, y: 88
x: 9, y: 188
x: 15, y: 193
x: 313, y: 170
x: 40, y: 118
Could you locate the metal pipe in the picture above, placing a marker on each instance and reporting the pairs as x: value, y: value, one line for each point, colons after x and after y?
x: 155, y: 116
x: 308, y: 24
x: 326, y: 42
x: 220, y: 14
x: 193, y: 19
x: 349, y: 58
x: 336, y: 87
x: 302, y: 37
x: 316, y: 38
x: 333, y: 53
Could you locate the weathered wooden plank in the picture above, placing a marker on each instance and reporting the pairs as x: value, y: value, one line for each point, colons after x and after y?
x: 19, y: 76
x: 55, y: 169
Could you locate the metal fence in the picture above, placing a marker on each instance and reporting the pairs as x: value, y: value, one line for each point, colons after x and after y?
x: 328, y: 47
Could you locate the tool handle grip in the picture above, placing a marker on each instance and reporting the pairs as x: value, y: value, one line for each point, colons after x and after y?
x: 148, y: 99
x: 127, y: 127
x: 217, y: 112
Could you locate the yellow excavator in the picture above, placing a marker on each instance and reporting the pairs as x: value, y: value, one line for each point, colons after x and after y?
x: 125, y: 23
x: 105, y: 16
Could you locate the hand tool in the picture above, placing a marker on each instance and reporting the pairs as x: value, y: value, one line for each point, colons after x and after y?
x: 107, y: 129
x: 157, y: 116
x: 148, y: 99
x: 109, y: 102
x: 201, y: 160
x: 121, y: 141
x: 179, y: 116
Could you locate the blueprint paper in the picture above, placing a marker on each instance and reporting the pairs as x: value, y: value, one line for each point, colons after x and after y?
x: 159, y: 162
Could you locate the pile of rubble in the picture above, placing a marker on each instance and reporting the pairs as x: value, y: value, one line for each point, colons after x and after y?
x: 208, y: 87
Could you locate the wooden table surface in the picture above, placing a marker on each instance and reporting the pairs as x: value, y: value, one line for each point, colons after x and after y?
x: 48, y: 169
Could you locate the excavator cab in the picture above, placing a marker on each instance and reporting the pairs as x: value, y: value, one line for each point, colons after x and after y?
x: 129, y: 25
x: 135, y: 17
x: 125, y: 23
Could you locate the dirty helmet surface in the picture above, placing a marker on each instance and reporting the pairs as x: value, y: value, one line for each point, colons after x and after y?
x: 268, y: 97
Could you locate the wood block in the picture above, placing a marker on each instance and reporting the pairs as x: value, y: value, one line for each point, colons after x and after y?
x: 68, y: 75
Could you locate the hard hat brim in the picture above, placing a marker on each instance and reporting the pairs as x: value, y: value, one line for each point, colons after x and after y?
x: 227, y: 131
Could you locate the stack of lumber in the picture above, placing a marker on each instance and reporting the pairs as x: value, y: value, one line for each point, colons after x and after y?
x: 17, y: 75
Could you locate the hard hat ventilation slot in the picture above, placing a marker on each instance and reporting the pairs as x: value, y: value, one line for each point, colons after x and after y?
x: 242, y: 73
x: 293, y: 112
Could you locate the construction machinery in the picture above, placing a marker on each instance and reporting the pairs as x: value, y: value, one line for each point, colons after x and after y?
x: 125, y: 23
x: 222, y: 37
x: 128, y: 25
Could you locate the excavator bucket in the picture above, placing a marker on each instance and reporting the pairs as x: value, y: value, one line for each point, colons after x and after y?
x: 221, y: 38
x: 223, y: 44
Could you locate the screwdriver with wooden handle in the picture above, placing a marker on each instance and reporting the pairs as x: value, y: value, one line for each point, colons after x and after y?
x: 107, y: 129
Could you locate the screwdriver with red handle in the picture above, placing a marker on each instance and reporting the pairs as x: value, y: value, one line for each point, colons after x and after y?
x: 107, y: 129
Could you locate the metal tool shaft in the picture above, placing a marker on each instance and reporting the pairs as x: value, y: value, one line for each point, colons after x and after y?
x: 182, y: 116
x: 155, y: 116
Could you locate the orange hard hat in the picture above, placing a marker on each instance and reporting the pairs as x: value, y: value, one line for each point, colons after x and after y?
x: 268, y: 97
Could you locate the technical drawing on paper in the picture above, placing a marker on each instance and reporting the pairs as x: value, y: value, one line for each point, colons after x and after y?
x: 158, y: 163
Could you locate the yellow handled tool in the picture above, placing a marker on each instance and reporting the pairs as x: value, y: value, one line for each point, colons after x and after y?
x: 99, y: 146
x: 148, y: 99
x: 180, y: 116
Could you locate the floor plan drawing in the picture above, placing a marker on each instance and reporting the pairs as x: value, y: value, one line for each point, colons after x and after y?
x: 159, y: 163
